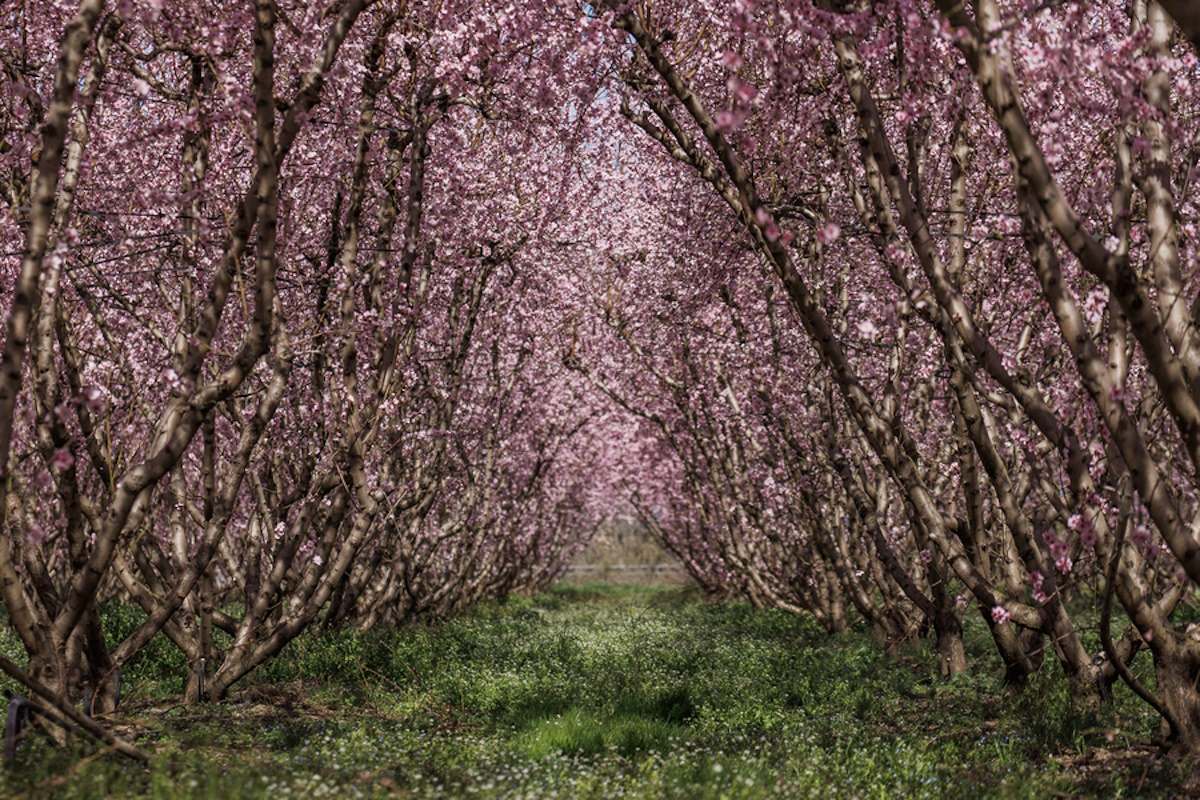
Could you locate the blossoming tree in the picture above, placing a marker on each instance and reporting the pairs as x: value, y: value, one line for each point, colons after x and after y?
x: 337, y: 313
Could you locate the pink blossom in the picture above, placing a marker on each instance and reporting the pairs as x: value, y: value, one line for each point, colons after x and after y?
x: 867, y: 329
x: 62, y: 459
x: 35, y: 535
x: 727, y: 121
x: 140, y: 88
x: 828, y: 233
x: 926, y: 555
x: 93, y: 399
x: 1141, y: 538
x: 1082, y: 524
x: 746, y: 92
x: 1037, y: 579
x: 1094, y: 304
x: 1000, y: 615
x: 731, y: 60
x: 762, y: 217
x: 772, y: 232
x: 1087, y: 537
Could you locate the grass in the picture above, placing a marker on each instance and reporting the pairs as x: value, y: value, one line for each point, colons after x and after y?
x: 601, y: 691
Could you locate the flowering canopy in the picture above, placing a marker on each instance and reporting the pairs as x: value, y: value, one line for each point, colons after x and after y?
x: 348, y: 311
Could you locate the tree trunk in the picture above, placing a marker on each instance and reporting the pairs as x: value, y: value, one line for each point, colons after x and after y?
x: 948, y: 629
x: 1022, y: 650
x: 1177, y: 667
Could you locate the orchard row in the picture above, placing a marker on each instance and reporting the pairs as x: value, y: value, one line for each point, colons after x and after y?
x: 342, y: 313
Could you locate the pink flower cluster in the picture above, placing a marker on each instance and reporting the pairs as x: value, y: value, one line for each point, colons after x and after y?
x: 63, y: 459
x: 1058, y: 551
x: 828, y: 233
x: 770, y: 229
x: 1082, y: 524
x: 1000, y: 615
x: 731, y: 60
x: 728, y: 121
x: 1094, y: 304
x: 742, y: 91
x: 1037, y: 580
x: 1140, y: 536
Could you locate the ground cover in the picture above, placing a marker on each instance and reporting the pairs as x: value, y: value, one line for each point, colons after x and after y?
x: 604, y: 691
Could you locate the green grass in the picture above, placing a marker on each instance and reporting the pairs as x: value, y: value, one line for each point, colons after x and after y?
x: 602, y: 691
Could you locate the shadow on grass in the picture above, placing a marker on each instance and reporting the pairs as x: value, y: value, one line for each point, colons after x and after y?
x: 579, y: 733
